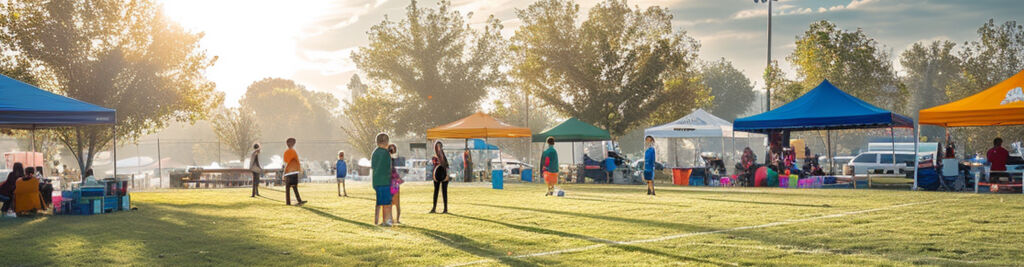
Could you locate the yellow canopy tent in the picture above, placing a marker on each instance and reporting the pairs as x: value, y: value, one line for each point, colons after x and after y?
x: 1002, y: 104
x: 478, y: 125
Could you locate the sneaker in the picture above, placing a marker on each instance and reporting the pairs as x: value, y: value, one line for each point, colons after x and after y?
x: 445, y: 212
x: 10, y: 215
x: 386, y: 224
x: 433, y: 211
x: 301, y: 203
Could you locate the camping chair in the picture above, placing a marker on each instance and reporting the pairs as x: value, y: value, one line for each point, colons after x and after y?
x: 954, y: 182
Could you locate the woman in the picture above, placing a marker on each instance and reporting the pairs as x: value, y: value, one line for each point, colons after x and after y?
x: 7, y: 189
x: 26, y: 193
x: 440, y: 176
x: 256, y: 168
x: 396, y: 181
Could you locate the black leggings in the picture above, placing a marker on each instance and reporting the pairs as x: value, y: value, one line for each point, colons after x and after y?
x: 291, y: 182
x: 7, y: 204
x: 255, y: 184
x: 443, y: 186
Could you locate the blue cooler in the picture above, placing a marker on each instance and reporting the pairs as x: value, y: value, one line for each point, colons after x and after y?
x: 497, y: 179
x: 125, y: 202
x: 527, y: 175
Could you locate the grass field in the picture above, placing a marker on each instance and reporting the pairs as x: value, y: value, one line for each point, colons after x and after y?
x: 593, y: 225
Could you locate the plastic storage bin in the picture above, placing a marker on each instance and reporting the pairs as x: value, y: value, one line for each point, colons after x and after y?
x: 527, y: 175
x: 497, y: 179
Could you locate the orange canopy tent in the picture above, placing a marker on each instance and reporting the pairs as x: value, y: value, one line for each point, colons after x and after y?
x: 1002, y: 104
x: 478, y: 125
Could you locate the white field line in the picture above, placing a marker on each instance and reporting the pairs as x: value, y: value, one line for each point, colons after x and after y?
x: 670, y: 237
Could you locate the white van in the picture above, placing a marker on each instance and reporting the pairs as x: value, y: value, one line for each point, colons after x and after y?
x: 882, y: 162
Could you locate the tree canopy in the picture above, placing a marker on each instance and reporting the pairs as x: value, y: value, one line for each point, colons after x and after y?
x: 237, y: 128
x: 732, y: 91
x: 617, y: 69
x: 930, y: 68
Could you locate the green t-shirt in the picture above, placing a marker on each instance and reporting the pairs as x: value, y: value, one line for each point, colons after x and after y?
x: 550, y: 157
x: 380, y: 165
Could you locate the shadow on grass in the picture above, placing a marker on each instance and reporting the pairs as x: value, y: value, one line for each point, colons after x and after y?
x: 767, y: 203
x: 613, y: 244
x: 743, y: 191
x: 470, y: 246
x: 335, y: 217
x: 666, y: 225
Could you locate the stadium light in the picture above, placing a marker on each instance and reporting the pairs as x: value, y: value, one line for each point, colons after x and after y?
x: 768, y: 84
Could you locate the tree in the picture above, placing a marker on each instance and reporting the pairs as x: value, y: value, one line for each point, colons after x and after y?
x: 438, y: 67
x: 850, y: 60
x: 122, y: 55
x: 997, y: 55
x: 732, y: 91
x: 930, y: 69
x: 284, y: 108
x: 615, y: 70
x: 356, y: 87
x: 237, y: 128
x: 368, y: 116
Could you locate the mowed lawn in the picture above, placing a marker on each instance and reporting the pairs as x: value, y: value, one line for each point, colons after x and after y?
x: 605, y: 225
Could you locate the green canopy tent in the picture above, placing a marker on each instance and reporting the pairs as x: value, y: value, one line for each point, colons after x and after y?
x: 573, y: 130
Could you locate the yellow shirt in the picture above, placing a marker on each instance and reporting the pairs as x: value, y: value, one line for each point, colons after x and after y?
x: 291, y: 159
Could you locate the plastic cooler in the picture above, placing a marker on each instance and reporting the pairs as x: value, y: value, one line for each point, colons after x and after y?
x: 793, y: 179
x: 497, y: 179
x: 527, y: 175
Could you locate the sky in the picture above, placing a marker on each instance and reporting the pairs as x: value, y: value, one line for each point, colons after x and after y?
x: 311, y: 41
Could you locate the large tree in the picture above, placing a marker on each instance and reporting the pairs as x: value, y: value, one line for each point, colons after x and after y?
x: 438, y: 67
x: 367, y: 117
x: 125, y: 55
x: 732, y: 91
x: 237, y: 128
x: 284, y: 108
x: 930, y: 69
x: 997, y: 54
x: 850, y: 60
x: 615, y: 69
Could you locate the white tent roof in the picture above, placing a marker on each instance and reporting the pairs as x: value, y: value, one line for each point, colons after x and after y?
x: 700, y: 123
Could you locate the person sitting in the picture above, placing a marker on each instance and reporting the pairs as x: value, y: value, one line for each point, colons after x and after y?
x: 7, y: 189
x: 90, y: 179
x: 997, y: 157
x: 26, y: 193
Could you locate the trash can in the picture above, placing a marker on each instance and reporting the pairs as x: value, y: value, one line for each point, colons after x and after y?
x: 497, y: 179
x: 527, y: 175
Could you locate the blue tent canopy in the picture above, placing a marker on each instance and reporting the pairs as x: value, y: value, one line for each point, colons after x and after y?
x: 823, y: 108
x: 480, y: 144
x: 26, y: 106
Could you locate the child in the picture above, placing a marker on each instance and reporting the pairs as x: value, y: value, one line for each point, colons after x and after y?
x: 396, y: 180
x: 549, y: 166
x: 380, y: 166
x: 649, y: 164
x: 342, y: 170
x: 291, y: 173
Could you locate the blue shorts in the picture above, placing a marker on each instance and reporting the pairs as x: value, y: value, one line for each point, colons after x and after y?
x: 383, y: 194
x: 648, y: 175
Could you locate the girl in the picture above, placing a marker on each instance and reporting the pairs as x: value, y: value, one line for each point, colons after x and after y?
x: 396, y: 180
x: 440, y: 175
x: 256, y: 168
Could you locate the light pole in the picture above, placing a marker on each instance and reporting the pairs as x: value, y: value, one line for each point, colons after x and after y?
x: 768, y: 84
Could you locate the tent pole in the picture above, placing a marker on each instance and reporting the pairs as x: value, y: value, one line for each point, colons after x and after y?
x: 917, y: 138
x: 831, y: 159
x: 733, y: 151
x: 892, y: 137
x: 34, y: 146
x: 114, y: 129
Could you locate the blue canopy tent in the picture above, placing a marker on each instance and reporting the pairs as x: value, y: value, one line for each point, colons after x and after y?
x: 823, y: 108
x: 23, y: 106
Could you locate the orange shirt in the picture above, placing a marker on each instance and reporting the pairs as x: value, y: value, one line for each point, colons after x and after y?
x: 291, y: 159
x: 26, y: 195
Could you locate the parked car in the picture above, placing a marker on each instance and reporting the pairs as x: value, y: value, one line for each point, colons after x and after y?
x: 882, y: 162
x: 511, y: 166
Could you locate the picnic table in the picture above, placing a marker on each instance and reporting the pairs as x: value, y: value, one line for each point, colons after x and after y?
x: 229, y: 177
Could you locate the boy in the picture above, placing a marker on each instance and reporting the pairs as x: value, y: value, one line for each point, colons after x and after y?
x: 380, y: 166
x: 649, y: 164
x: 549, y: 166
x: 342, y: 170
x: 291, y: 173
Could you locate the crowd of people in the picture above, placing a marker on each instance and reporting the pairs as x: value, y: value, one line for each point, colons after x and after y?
x: 24, y: 192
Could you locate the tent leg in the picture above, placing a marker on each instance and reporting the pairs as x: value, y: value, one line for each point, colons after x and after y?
x: 917, y: 160
x: 113, y: 128
x: 892, y: 137
x: 831, y: 159
x: 34, y: 146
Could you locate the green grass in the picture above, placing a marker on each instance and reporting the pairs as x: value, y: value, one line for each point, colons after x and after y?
x: 226, y: 227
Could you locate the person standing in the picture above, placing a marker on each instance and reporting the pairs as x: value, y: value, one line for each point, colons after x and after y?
x: 440, y: 175
x: 396, y: 181
x: 380, y: 167
x: 7, y: 189
x: 257, y: 170
x: 467, y: 168
x: 549, y: 166
x: 291, y: 173
x: 649, y: 164
x: 341, y: 170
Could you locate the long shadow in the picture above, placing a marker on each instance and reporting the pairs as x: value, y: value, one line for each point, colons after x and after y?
x: 666, y: 225
x: 628, y: 202
x: 685, y: 191
x: 335, y: 217
x: 767, y: 203
x: 613, y: 244
x: 470, y: 246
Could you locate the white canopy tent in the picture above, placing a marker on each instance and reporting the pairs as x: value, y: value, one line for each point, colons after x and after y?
x: 697, y: 132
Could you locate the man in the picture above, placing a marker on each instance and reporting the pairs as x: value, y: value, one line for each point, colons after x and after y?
x: 997, y: 156
x: 549, y: 166
x: 291, y: 173
x: 380, y: 167
x: 649, y: 164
